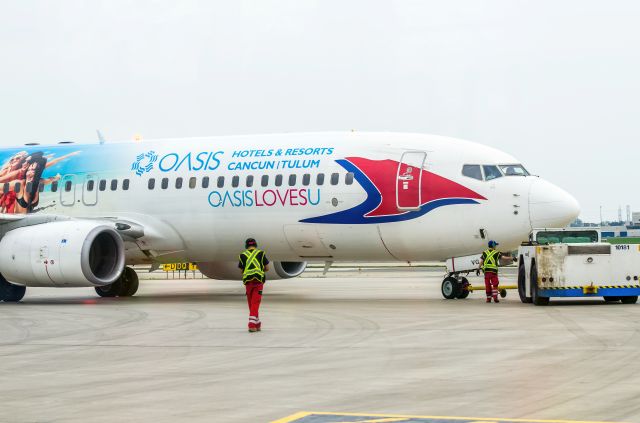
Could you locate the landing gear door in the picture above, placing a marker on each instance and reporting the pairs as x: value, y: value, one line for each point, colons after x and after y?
x: 409, y: 180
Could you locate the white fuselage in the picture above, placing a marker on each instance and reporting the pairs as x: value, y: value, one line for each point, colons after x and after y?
x: 397, y: 196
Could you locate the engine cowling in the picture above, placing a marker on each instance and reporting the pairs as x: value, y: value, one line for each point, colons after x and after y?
x: 67, y: 253
x: 228, y: 270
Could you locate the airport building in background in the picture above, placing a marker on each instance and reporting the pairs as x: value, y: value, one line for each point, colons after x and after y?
x: 629, y: 228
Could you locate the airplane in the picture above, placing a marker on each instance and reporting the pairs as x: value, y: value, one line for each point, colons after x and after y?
x: 80, y: 215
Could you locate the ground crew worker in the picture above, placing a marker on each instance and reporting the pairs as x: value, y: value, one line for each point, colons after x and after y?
x: 254, y: 264
x: 489, y: 262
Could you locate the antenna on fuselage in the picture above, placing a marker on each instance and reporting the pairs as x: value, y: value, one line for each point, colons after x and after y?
x: 100, y: 137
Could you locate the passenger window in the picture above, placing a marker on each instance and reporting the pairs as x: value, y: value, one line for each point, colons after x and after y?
x: 54, y: 186
x: 249, y: 181
x: 18, y: 185
x: 193, y: 182
x: 320, y: 179
x: 40, y: 187
x: 306, y: 179
x: 114, y: 184
x: 472, y: 171
x: 265, y: 180
x: 152, y: 183
x: 67, y: 186
x: 235, y: 181
x: 205, y: 182
x: 164, y: 183
x: 6, y: 188
x: 102, y: 185
x: 491, y: 172
x: 178, y: 183
x: 292, y: 180
x: 125, y: 184
x: 349, y: 178
x: 278, y: 180
x: 220, y: 181
x: 335, y: 178
x: 90, y: 184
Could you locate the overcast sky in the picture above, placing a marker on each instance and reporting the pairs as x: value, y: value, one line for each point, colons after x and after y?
x: 555, y: 83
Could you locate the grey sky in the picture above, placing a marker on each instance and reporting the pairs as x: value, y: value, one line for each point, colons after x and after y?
x: 555, y: 83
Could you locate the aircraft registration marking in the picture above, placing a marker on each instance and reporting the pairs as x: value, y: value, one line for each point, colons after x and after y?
x: 323, y: 417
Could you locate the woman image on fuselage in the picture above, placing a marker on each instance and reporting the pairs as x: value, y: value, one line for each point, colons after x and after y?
x: 29, y: 196
x: 24, y: 172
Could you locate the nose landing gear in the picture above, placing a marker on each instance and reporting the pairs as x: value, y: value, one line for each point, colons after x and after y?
x: 455, y: 286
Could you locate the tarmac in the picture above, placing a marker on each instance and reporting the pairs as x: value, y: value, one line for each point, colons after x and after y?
x: 363, y: 342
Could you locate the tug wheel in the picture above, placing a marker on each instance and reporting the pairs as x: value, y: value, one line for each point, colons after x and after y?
x: 536, y: 299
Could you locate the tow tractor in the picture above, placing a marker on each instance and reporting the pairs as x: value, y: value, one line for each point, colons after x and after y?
x: 575, y: 262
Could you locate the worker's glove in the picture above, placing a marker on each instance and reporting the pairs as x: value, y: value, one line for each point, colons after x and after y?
x: 477, y: 272
x: 515, y: 259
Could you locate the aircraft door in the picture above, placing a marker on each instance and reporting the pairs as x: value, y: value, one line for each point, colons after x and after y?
x: 68, y: 190
x: 409, y: 180
x: 90, y: 190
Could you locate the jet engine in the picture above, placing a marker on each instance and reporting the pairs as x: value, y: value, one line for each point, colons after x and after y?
x: 226, y: 270
x: 61, y: 254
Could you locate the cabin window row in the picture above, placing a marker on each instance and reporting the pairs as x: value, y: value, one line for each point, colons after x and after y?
x: 251, y: 180
x: 90, y: 185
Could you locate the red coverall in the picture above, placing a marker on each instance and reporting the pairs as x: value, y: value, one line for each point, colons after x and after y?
x: 255, y: 261
x: 491, y: 286
x: 254, y: 296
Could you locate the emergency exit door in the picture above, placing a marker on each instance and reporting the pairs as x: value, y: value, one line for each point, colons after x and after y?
x: 67, y: 189
x: 409, y: 180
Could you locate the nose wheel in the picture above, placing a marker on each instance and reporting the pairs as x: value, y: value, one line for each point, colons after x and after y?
x: 455, y: 287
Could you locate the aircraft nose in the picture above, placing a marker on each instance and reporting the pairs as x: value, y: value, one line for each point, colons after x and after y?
x: 551, y: 206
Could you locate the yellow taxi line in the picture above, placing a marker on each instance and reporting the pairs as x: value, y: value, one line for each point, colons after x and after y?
x: 301, y: 414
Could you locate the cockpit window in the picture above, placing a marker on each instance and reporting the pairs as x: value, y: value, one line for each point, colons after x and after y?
x: 472, y: 171
x: 491, y: 172
x: 514, y: 170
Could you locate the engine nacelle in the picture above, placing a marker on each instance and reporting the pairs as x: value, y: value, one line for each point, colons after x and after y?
x: 228, y: 270
x: 67, y: 253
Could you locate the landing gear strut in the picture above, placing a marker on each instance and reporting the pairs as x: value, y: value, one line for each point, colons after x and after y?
x: 10, y: 293
x: 125, y: 286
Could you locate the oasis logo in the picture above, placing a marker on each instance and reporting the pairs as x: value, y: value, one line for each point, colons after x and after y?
x: 204, y: 160
x: 144, y: 162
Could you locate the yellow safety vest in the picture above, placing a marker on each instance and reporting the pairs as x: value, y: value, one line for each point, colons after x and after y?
x: 490, y: 264
x: 253, y: 267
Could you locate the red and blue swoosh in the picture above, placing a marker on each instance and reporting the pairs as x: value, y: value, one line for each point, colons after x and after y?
x: 378, y: 178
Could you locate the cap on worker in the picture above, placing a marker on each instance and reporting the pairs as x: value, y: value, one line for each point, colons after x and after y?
x: 492, y: 244
x: 250, y: 242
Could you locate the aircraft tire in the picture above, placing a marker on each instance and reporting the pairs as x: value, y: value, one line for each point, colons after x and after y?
x: 10, y: 293
x: 450, y: 288
x: 130, y: 283
x: 535, y: 298
x: 522, y: 283
x: 109, y: 291
x: 625, y: 300
x: 611, y: 299
x: 464, y: 293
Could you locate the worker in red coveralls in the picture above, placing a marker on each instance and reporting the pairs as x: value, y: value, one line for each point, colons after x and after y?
x: 254, y: 265
x: 489, y: 262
